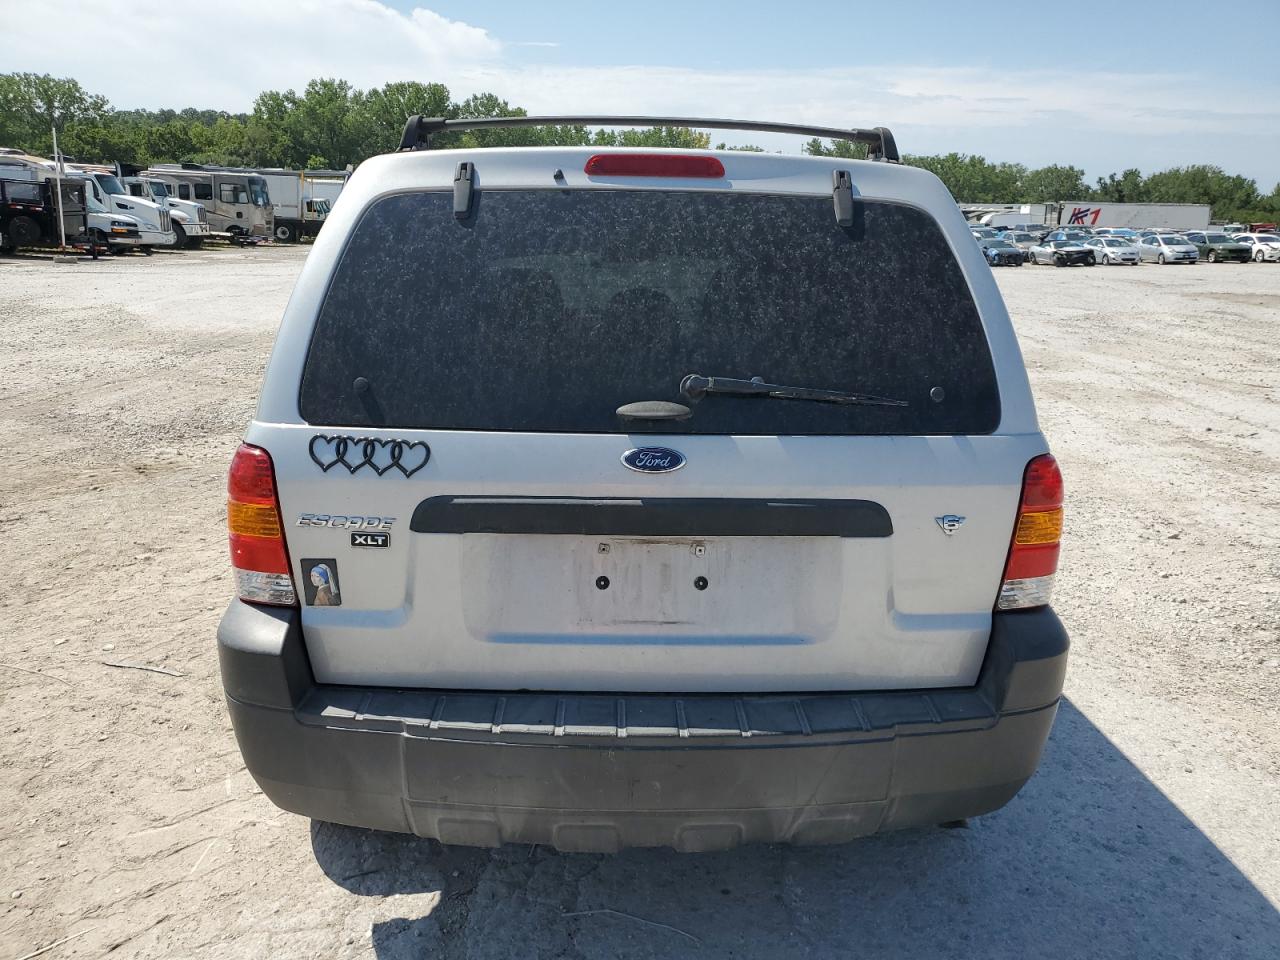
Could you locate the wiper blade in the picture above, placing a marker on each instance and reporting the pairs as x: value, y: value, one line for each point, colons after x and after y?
x: 695, y: 387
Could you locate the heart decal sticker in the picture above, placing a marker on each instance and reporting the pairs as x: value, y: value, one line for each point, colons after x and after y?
x: 380, y: 456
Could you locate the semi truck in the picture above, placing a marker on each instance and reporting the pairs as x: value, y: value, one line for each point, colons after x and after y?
x: 1171, y: 216
x: 155, y: 220
x: 190, y: 221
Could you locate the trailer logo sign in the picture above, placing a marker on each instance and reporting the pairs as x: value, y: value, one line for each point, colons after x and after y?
x: 1085, y: 215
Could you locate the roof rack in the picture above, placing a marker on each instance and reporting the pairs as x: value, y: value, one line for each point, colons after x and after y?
x: 879, y: 141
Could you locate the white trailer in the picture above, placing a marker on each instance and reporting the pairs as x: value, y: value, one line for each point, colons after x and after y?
x: 1172, y: 216
x: 325, y: 187
x: 301, y: 200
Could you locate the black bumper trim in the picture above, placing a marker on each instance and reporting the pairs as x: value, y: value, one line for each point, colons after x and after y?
x: 604, y: 771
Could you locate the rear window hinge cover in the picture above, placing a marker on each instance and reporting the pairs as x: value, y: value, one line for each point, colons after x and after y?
x: 464, y: 181
x: 842, y: 196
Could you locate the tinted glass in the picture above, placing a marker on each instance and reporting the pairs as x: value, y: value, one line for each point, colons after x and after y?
x: 233, y: 193
x: 550, y: 309
x: 16, y: 190
x: 111, y: 185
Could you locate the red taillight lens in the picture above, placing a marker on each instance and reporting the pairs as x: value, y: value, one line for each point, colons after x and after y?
x: 258, y: 554
x: 1037, y: 535
x: 653, y: 165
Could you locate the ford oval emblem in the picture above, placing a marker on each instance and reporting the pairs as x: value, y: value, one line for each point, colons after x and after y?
x: 653, y: 459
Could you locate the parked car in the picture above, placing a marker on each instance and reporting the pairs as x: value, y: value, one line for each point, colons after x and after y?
x: 983, y: 233
x: 1124, y: 233
x: 585, y: 517
x: 1002, y: 253
x: 1265, y: 246
x: 1063, y: 253
x: 1021, y: 239
x: 1167, y: 248
x: 1218, y: 246
x: 1114, y: 250
x: 1074, y: 235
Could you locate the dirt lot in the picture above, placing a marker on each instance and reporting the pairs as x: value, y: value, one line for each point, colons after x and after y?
x: 129, y: 824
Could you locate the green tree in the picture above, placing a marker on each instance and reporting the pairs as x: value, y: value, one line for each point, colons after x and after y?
x: 1225, y: 192
x: 387, y: 108
x: 33, y: 104
x: 1129, y: 187
x: 835, y: 148
x: 973, y: 179
x: 1055, y: 182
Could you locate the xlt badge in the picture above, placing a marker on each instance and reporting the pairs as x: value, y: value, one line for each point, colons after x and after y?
x: 371, y: 539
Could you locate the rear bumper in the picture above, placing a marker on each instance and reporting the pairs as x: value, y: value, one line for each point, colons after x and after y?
x: 591, y: 772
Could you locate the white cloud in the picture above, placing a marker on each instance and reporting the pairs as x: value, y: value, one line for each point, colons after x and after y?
x: 222, y: 53
x: 175, y: 53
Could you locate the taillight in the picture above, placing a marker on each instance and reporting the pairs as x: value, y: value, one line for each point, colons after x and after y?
x: 258, y: 553
x: 653, y: 165
x: 1037, y: 535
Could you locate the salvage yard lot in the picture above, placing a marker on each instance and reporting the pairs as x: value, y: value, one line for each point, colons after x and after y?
x: 130, y: 825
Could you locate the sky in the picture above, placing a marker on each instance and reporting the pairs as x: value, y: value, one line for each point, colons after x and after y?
x: 1104, y: 86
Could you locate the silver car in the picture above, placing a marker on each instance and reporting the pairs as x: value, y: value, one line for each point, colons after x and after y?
x: 1064, y: 253
x: 1168, y: 248
x: 1114, y: 250
x: 1022, y: 240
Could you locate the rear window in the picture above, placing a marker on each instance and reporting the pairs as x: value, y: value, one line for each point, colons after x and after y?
x: 548, y: 310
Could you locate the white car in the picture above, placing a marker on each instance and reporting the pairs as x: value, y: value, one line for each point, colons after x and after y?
x: 1114, y: 250
x: 1165, y: 248
x: 699, y: 500
x: 1266, y: 246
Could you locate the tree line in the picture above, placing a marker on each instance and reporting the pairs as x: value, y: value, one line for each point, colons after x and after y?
x: 333, y: 125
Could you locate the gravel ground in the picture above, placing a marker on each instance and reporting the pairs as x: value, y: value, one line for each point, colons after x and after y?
x: 130, y: 826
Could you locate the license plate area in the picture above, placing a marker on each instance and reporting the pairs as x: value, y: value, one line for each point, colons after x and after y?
x: 658, y: 581
x: 653, y: 589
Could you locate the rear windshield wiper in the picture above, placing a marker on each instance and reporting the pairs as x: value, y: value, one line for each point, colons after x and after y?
x: 695, y: 387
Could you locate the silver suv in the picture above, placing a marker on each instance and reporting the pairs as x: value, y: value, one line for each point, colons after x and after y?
x: 604, y: 498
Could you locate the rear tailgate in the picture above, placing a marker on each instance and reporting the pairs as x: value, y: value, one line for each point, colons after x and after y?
x: 457, y: 399
x: 851, y: 610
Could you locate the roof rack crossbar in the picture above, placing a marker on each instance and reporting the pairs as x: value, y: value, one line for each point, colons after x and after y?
x: 880, y: 142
